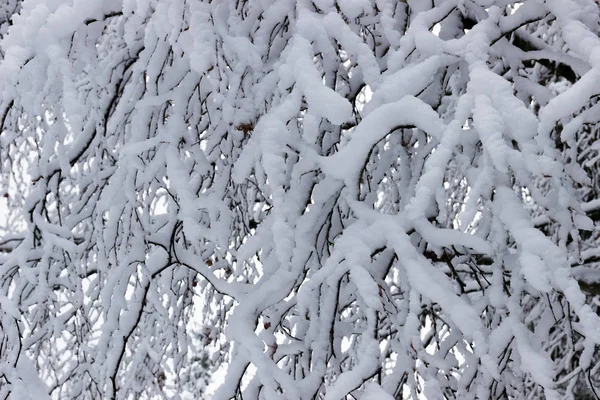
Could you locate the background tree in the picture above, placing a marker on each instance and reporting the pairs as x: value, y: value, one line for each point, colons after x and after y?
x: 346, y: 199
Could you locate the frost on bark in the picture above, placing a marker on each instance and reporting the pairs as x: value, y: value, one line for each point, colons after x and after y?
x: 370, y: 199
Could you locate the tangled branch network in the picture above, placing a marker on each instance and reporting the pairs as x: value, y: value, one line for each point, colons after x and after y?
x: 299, y: 199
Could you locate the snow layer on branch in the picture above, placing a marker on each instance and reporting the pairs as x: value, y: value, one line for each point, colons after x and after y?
x: 347, y: 163
x: 320, y: 98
